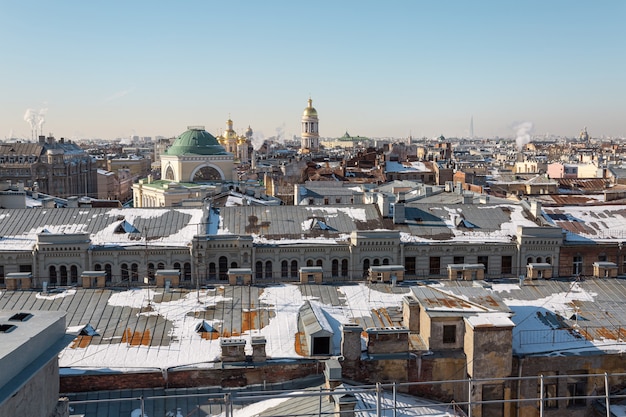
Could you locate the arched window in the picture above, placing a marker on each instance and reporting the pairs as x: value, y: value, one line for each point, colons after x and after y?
x: 212, y: 271
x: 223, y: 268
x: 539, y: 260
x: 258, y: 269
x: 284, y: 269
x: 187, y: 271
x: 319, y: 263
x: 169, y: 174
x: 268, y: 270
x: 233, y: 264
x: 151, y: 270
x: 335, y: 268
x: 344, y: 268
x: 124, y: 270
x: 74, y: 274
x: 294, y: 269
x: 177, y: 266
x: 366, y: 267
x: 549, y: 260
x: 134, y: 272
x: 309, y: 262
x: 207, y: 174
x: 97, y: 267
x: 63, y: 270
x: 160, y: 265
x: 108, y: 272
x: 529, y: 260
x: 52, y: 275
x: 376, y: 262
x: 386, y: 261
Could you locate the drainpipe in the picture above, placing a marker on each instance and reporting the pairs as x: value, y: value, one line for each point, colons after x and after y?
x: 519, y: 386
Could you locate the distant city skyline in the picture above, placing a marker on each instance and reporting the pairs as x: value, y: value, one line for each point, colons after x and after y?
x: 378, y: 69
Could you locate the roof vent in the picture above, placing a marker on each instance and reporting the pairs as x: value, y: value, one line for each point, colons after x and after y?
x: 20, y: 317
x: 7, y: 328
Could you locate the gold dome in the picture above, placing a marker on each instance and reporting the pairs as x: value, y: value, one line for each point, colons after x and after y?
x: 310, y: 110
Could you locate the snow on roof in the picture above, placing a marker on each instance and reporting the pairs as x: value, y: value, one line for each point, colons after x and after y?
x: 106, y: 227
x: 187, y: 347
x: 604, y: 222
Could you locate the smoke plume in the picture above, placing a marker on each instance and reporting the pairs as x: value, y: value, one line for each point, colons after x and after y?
x: 36, y: 120
x: 257, y: 140
x: 523, y: 132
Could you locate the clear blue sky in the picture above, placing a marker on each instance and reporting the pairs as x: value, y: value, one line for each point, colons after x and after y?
x: 374, y: 68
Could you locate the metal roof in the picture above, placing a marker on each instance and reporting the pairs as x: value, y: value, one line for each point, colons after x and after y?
x: 295, y: 221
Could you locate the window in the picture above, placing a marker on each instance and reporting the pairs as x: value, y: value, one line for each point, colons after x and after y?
x: 107, y: 272
x: 577, y: 265
x: 74, y: 274
x: 335, y: 268
x: 212, y: 271
x: 319, y: 263
x: 485, y: 261
x: 602, y: 257
x: 321, y: 345
x: 409, y: 265
x: 1, y: 274
x: 187, y: 271
x: 294, y: 269
x: 151, y: 270
x: 366, y: 267
x: 63, y: 270
x: 344, y: 268
x: 493, y: 393
x: 134, y: 272
x: 458, y: 260
x: 434, y: 267
x: 549, y: 392
x: 449, y: 333
x: 258, y: 270
x: 124, y: 269
x: 576, y: 388
x: 268, y: 269
x: 52, y: 275
x: 223, y: 268
x: 507, y: 264
x: 284, y: 269
x: 529, y: 260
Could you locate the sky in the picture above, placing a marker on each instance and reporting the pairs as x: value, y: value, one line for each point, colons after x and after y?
x: 113, y: 69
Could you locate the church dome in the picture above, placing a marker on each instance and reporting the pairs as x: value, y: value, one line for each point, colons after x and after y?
x: 196, y: 141
x: 310, y: 110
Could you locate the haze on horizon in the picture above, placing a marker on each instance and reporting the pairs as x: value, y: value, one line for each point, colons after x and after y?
x: 378, y: 69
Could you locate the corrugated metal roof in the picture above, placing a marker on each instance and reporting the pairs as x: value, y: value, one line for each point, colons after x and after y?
x: 292, y: 221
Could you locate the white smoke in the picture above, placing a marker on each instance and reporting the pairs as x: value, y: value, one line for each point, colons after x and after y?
x: 280, y: 133
x: 42, y: 119
x: 36, y: 120
x: 523, y: 132
x: 257, y: 140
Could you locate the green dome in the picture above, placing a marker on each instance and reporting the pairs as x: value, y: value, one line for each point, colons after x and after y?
x: 196, y: 141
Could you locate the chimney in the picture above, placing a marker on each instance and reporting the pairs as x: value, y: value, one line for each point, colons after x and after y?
x: 535, y: 209
x: 399, y: 216
x: 72, y: 201
x: 411, y: 314
x: 233, y: 350
x: 258, y: 349
x: 351, y: 341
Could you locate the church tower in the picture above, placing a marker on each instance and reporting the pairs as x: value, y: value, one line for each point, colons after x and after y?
x: 310, y: 132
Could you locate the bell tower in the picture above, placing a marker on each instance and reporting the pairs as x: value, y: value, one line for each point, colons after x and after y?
x: 310, y: 141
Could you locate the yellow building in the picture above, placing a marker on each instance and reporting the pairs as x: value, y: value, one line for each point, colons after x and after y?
x: 237, y: 145
x: 191, y: 169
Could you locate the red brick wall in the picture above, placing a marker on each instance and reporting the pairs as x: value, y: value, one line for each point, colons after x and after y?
x: 230, y: 377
